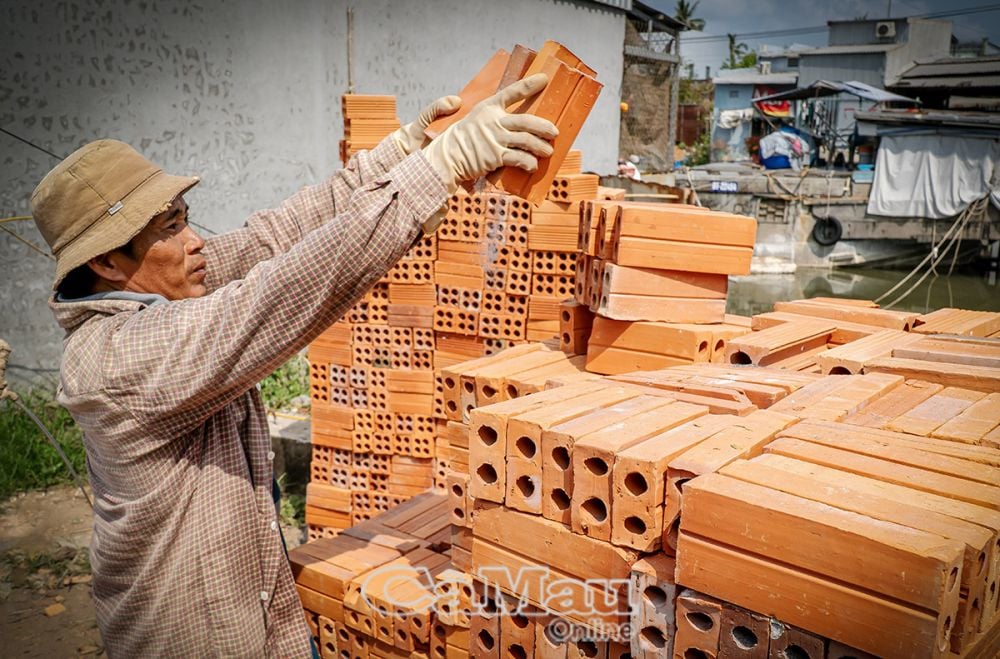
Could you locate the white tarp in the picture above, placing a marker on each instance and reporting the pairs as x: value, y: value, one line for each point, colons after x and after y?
x: 933, y: 176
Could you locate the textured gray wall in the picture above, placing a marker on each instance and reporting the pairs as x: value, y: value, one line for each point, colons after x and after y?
x: 245, y: 94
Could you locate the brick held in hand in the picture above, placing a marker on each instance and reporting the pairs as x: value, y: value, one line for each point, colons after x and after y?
x: 483, y: 85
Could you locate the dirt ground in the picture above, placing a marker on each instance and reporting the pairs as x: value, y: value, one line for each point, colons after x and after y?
x: 45, y: 595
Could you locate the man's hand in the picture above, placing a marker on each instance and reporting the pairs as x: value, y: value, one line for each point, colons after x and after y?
x: 411, y: 138
x: 489, y: 137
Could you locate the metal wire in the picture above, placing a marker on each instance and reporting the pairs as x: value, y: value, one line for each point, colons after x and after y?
x: 59, y: 450
x: 28, y: 243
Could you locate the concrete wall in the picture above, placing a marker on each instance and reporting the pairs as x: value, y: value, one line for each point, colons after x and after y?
x: 245, y: 94
x: 854, y: 33
x: 730, y: 143
x: 868, y: 68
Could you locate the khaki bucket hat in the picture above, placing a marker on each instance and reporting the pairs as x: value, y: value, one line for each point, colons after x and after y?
x: 98, y: 199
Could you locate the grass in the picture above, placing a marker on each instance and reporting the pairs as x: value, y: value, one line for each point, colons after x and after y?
x: 27, y: 460
x: 287, y: 387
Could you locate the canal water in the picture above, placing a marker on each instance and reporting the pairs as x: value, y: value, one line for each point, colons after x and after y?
x: 755, y: 294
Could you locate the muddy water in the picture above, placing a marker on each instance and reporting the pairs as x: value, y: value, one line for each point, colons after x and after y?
x: 757, y: 293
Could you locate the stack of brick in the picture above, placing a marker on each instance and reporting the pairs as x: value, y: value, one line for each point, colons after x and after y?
x: 819, y: 481
x: 492, y: 277
x: 654, y: 278
x: 699, y: 477
x: 831, y: 335
x: 367, y: 120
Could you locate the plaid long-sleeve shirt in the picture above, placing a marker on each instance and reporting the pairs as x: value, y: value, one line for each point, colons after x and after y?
x: 186, y: 553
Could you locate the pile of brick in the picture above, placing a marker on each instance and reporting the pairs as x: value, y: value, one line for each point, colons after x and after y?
x: 790, y: 521
x: 818, y: 481
x: 654, y: 279
x: 368, y: 119
x: 491, y: 277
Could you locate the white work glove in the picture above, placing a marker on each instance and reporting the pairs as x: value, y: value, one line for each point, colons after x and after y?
x: 489, y: 137
x: 410, y: 138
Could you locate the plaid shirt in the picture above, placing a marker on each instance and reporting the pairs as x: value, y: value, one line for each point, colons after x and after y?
x: 187, y: 553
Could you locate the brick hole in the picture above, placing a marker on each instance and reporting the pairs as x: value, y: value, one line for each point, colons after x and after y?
x: 554, y: 635
x: 744, y: 638
x: 458, y: 490
x: 485, y: 640
x: 636, y: 483
x: 526, y: 446
x: 655, y: 595
x: 560, y: 498
x: 700, y: 621
x: 953, y: 578
x: 525, y: 486
x: 489, y: 391
x: 566, y: 339
x: 741, y: 358
x: 798, y: 652
x: 839, y: 370
x: 596, y: 508
x: 695, y: 653
x: 635, y: 525
x: 487, y: 474
x: 587, y: 648
x: 511, y: 391
x: 655, y: 637
x: 703, y: 346
x: 560, y: 455
x: 515, y: 651
x: 596, y: 466
x: 401, y: 635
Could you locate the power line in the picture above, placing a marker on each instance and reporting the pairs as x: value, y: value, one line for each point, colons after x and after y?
x: 30, y: 143
x: 47, y: 152
x: 815, y: 29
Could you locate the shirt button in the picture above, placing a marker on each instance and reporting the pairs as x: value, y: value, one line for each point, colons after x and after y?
x: 274, y: 525
x: 270, y: 455
x: 264, y: 595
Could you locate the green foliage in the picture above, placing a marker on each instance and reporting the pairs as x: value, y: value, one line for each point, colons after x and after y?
x: 740, y: 55
x: 699, y: 153
x: 292, y: 509
x: 27, y: 460
x: 290, y: 382
x: 684, y: 12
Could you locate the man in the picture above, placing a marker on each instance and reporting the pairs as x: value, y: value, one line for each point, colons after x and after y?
x: 167, y: 334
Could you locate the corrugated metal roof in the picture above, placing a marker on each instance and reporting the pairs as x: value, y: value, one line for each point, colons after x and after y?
x: 625, y: 5
x: 985, y: 120
x: 955, y: 66
x: 754, y: 77
x: 850, y: 50
x: 953, y: 72
x: 822, y: 88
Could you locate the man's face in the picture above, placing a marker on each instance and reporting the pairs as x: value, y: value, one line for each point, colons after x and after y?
x: 166, y: 257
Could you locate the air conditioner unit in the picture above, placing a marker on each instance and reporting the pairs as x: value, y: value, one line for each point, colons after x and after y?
x: 885, y: 29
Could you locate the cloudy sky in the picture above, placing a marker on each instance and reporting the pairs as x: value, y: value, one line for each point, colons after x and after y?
x: 725, y: 16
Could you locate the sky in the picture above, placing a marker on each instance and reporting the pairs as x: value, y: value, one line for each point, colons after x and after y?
x: 743, y: 17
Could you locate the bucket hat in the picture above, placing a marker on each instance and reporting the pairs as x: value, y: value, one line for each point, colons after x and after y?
x: 99, y: 198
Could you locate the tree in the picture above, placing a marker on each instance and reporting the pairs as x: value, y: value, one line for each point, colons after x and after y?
x: 685, y: 13
x: 740, y: 55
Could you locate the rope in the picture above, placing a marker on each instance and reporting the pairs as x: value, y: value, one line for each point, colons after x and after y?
x: 977, y: 208
x: 28, y: 243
